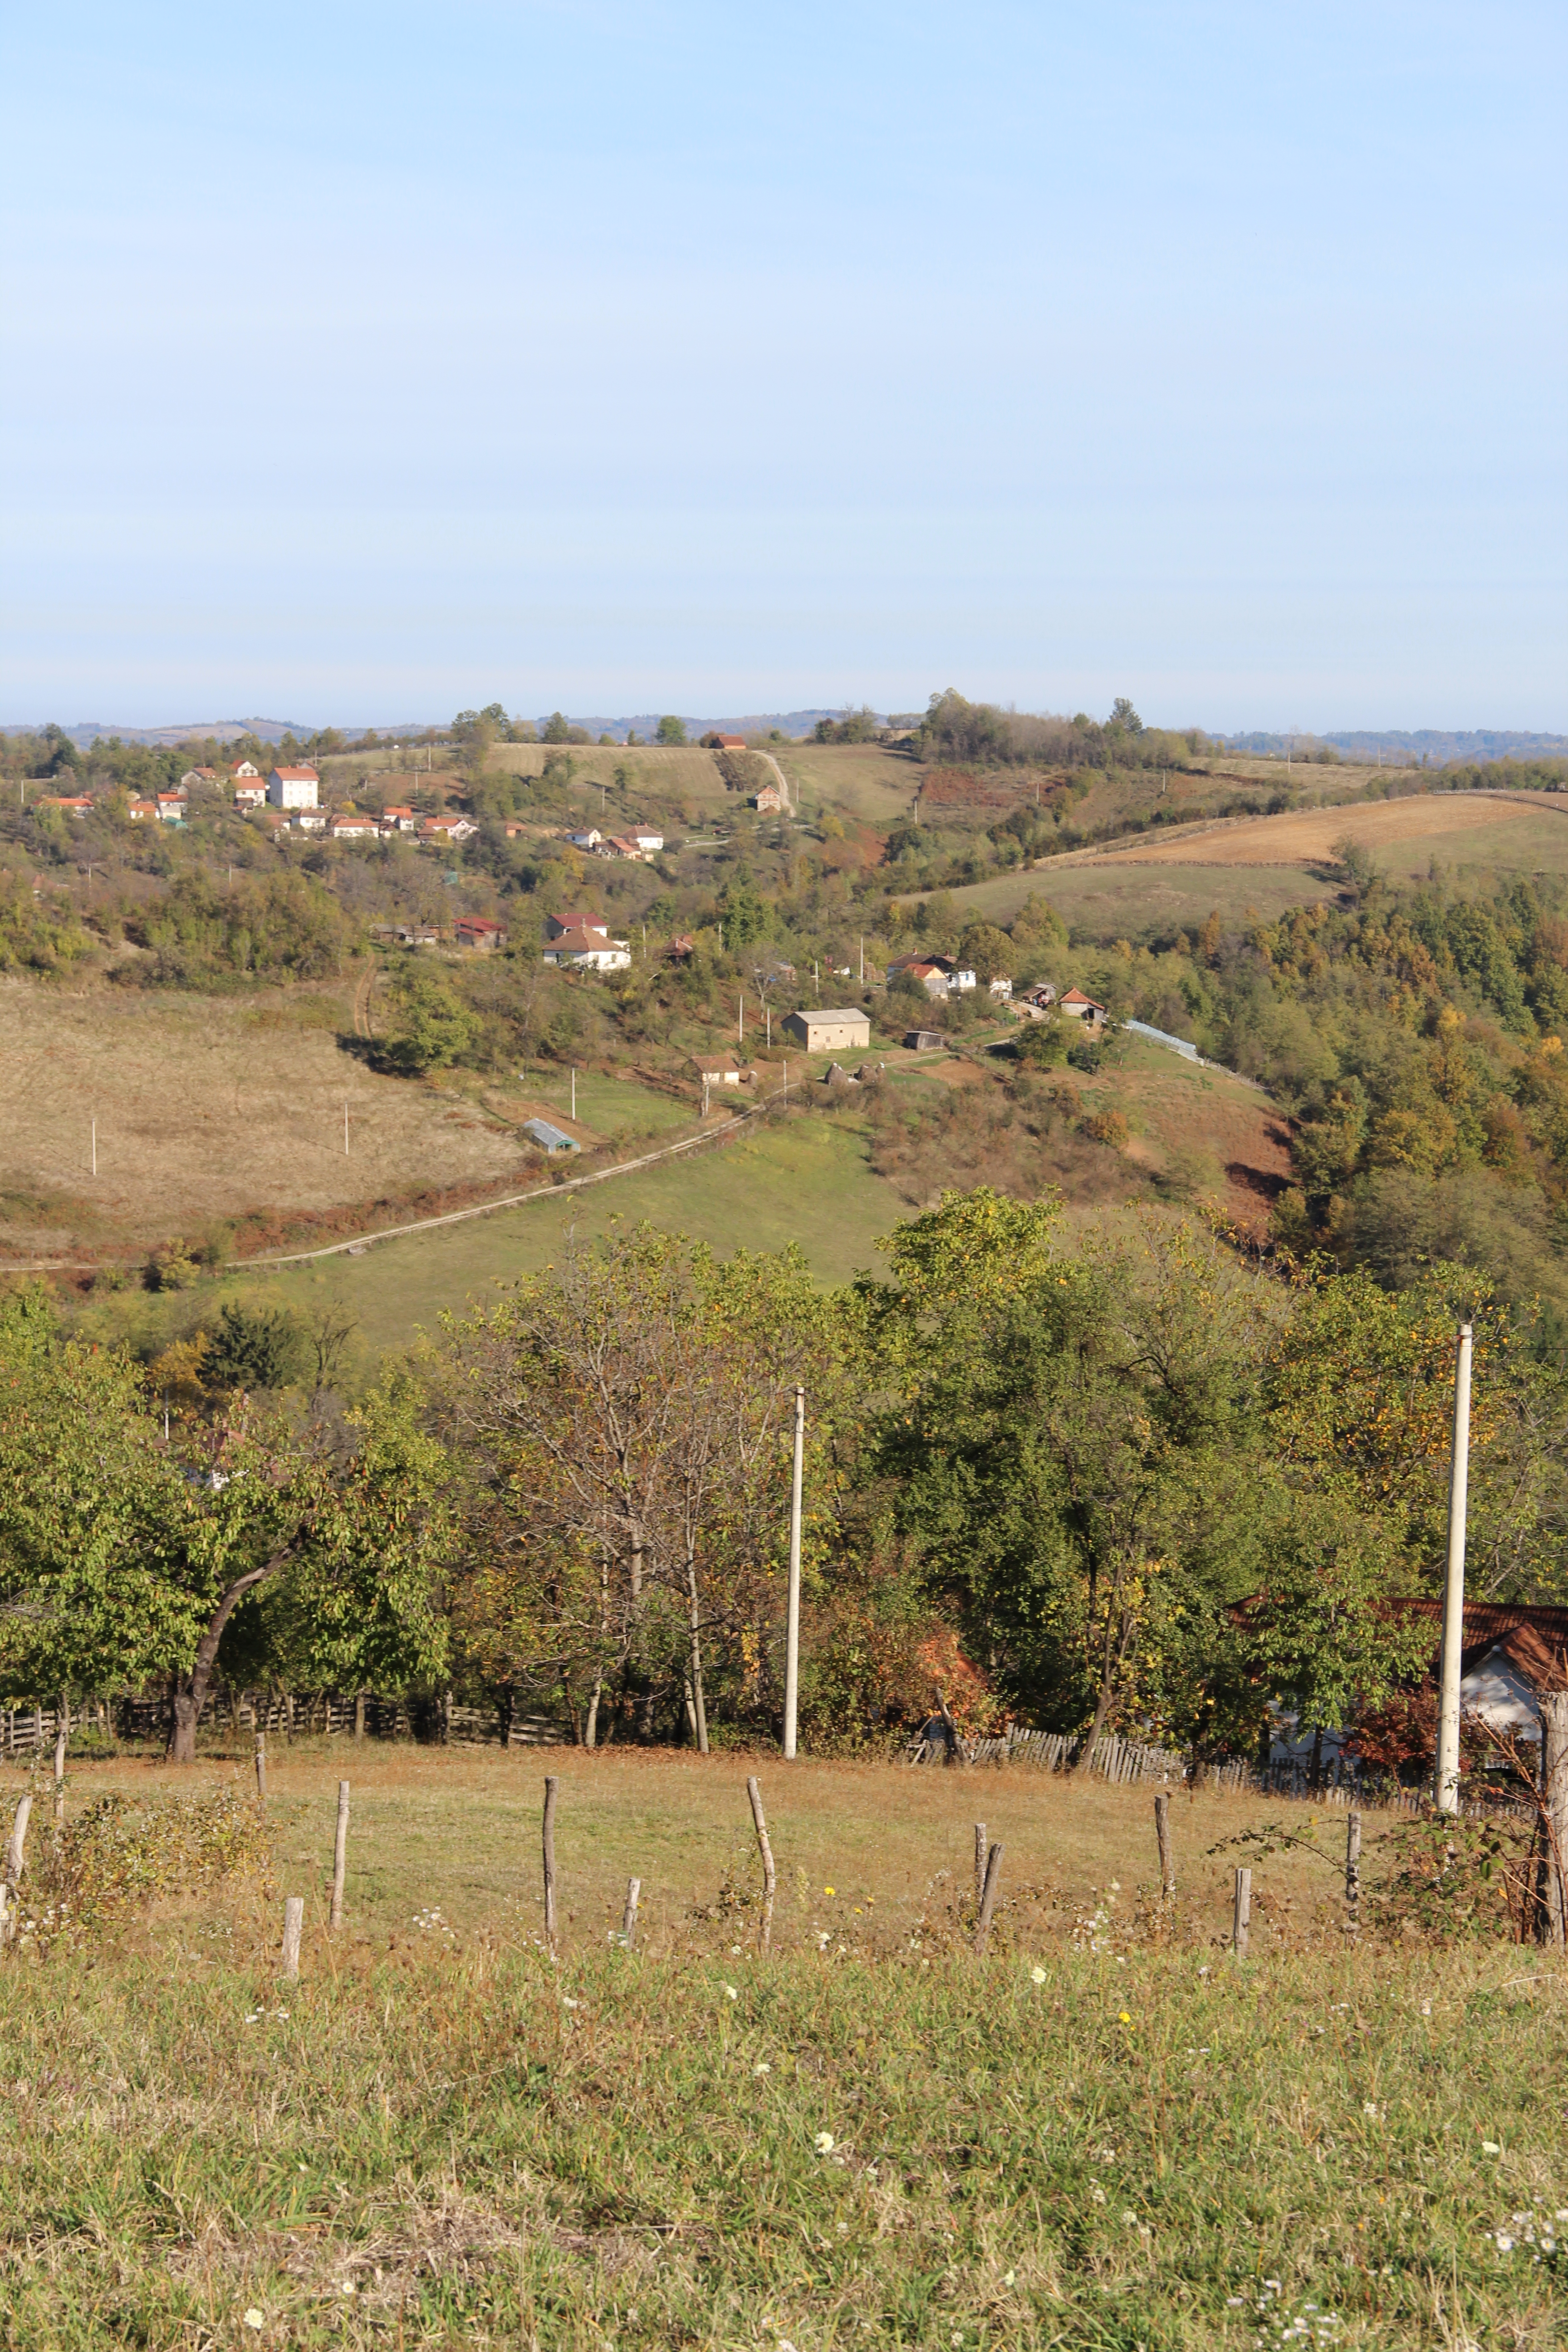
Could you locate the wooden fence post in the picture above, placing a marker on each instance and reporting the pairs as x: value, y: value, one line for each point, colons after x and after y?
x: 293, y: 1922
x: 1555, y: 1810
x: 979, y: 1853
x: 340, y: 1856
x: 1242, y: 1916
x: 552, y: 1786
x: 765, y: 1935
x: 1352, y: 1867
x: 261, y: 1769
x: 988, y: 1897
x: 17, y: 1849
x: 629, y: 1915
x: 1162, y: 1839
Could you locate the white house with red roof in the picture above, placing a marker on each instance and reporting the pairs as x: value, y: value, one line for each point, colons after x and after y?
x: 588, y: 952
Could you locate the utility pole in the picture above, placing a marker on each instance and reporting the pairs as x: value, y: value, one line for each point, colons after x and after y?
x: 1445, y: 1792
x: 95, y: 1147
x: 573, y: 1093
x: 862, y: 958
x: 791, y: 1616
x: 345, y: 1127
x: 743, y: 1027
x: 768, y: 1015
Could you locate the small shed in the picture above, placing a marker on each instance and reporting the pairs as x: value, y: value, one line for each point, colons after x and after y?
x: 922, y: 1041
x: 549, y: 1136
x: 719, y: 1069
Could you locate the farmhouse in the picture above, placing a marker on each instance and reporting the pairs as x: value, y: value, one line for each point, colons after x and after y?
x: 352, y: 826
x: 650, y: 844
x: 398, y: 819
x: 770, y: 800
x: 728, y: 742
x: 719, y: 1069
x: 140, y: 811
x: 621, y: 844
x: 437, y: 830
x: 197, y: 776
x: 478, y: 931
x: 172, y: 807
x: 588, y: 952
x: 310, y: 820
x: 1079, y: 1007
x: 589, y: 840
x: 292, y: 788
x: 939, y: 975
x: 829, y: 1029
x: 557, y: 926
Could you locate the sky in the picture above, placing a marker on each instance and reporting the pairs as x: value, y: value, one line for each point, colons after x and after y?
x: 361, y: 362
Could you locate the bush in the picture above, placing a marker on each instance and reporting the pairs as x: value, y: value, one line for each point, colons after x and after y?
x: 122, y: 1851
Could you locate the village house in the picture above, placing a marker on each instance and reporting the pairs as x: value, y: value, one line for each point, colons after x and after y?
x: 589, y: 840
x: 1077, y: 1006
x: 197, y: 776
x: 292, y: 788
x: 246, y: 769
x: 478, y: 931
x: 73, y: 804
x: 250, y: 796
x: 681, y: 949
x: 770, y: 800
x: 436, y: 830
x: 556, y: 926
x: 172, y: 807
x: 310, y: 820
x: 398, y: 819
x: 718, y: 1069
x: 588, y: 952
x: 140, y: 811
x: 939, y: 975
x: 1001, y: 988
x: 829, y: 1029
x: 650, y: 844
x: 350, y: 825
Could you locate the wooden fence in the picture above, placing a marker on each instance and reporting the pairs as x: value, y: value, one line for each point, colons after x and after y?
x: 30, y: 1730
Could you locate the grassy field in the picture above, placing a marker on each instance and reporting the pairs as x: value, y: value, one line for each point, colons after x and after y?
x: 209, y: 1106
x: 1265, y: 866
x: 805, y: 1181
x: 1108, y: 2133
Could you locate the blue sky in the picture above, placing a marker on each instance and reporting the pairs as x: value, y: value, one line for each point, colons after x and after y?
x: 363, y: 361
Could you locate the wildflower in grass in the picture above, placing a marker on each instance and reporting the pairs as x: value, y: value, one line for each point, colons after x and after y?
x: 1097, y: 2193
x: 762, y: 2067
x: 1503, y: 2243
x: 1369, y: 2109
x: 1037, y: 1975
x: 253, y: 2318
x: 731, y: 1993
x: 1490, y: 2148
x: 1130, y: 2219
x: 1011, y: 2279
x: 823, y: 2142
x: 1123, y: 2018
x: 827, y: 1890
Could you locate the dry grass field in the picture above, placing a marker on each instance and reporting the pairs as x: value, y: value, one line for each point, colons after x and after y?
x: 1261, y: 866
x: 207, y: 1107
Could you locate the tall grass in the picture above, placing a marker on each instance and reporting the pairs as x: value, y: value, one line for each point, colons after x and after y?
x: 1110, y: 2134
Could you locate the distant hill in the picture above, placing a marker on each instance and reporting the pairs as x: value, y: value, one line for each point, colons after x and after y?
x: 1437, y: 745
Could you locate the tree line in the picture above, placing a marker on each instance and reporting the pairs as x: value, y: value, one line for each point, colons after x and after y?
x: 1116, y: 1480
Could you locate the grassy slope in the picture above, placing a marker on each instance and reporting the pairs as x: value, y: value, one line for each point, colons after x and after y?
x: 806, y: 1183
x: 1266, y: 865
x: 622, y: 2151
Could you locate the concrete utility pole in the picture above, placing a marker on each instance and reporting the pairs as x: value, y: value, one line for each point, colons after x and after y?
x: 1445, y: 1792
x: 741, y: 1033
x: 792, y: 1616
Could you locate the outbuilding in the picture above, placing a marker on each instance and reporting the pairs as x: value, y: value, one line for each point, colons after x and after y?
x: 549, y: 1136
x: 829, y: 1029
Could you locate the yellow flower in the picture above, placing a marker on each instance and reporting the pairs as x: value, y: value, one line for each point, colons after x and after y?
x: 1124, y: 2018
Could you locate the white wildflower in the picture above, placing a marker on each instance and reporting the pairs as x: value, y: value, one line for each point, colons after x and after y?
x: 1490, y: 2148
x: 762, y: 2067
x: 731, y: 1993
x: 1504, y: 2242
x: 1369, y: 2109
x: 1037, y: 1975
x: 253, y: 2318
x: 823, y: 2142
x: 1097, y: 2193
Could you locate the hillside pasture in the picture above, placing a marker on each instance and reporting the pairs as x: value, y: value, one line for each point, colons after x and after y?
x: 211, y: 1107
x: 1107, y: 2131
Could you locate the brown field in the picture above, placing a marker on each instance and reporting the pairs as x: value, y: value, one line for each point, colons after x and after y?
x: 862, y: 1850
x: 1404, y: 828
x: 209, y: 1106
x: 1108, y: 898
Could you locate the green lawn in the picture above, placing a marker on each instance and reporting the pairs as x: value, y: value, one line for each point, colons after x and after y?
x: 806, y: 1181
x: 1121, y: 900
